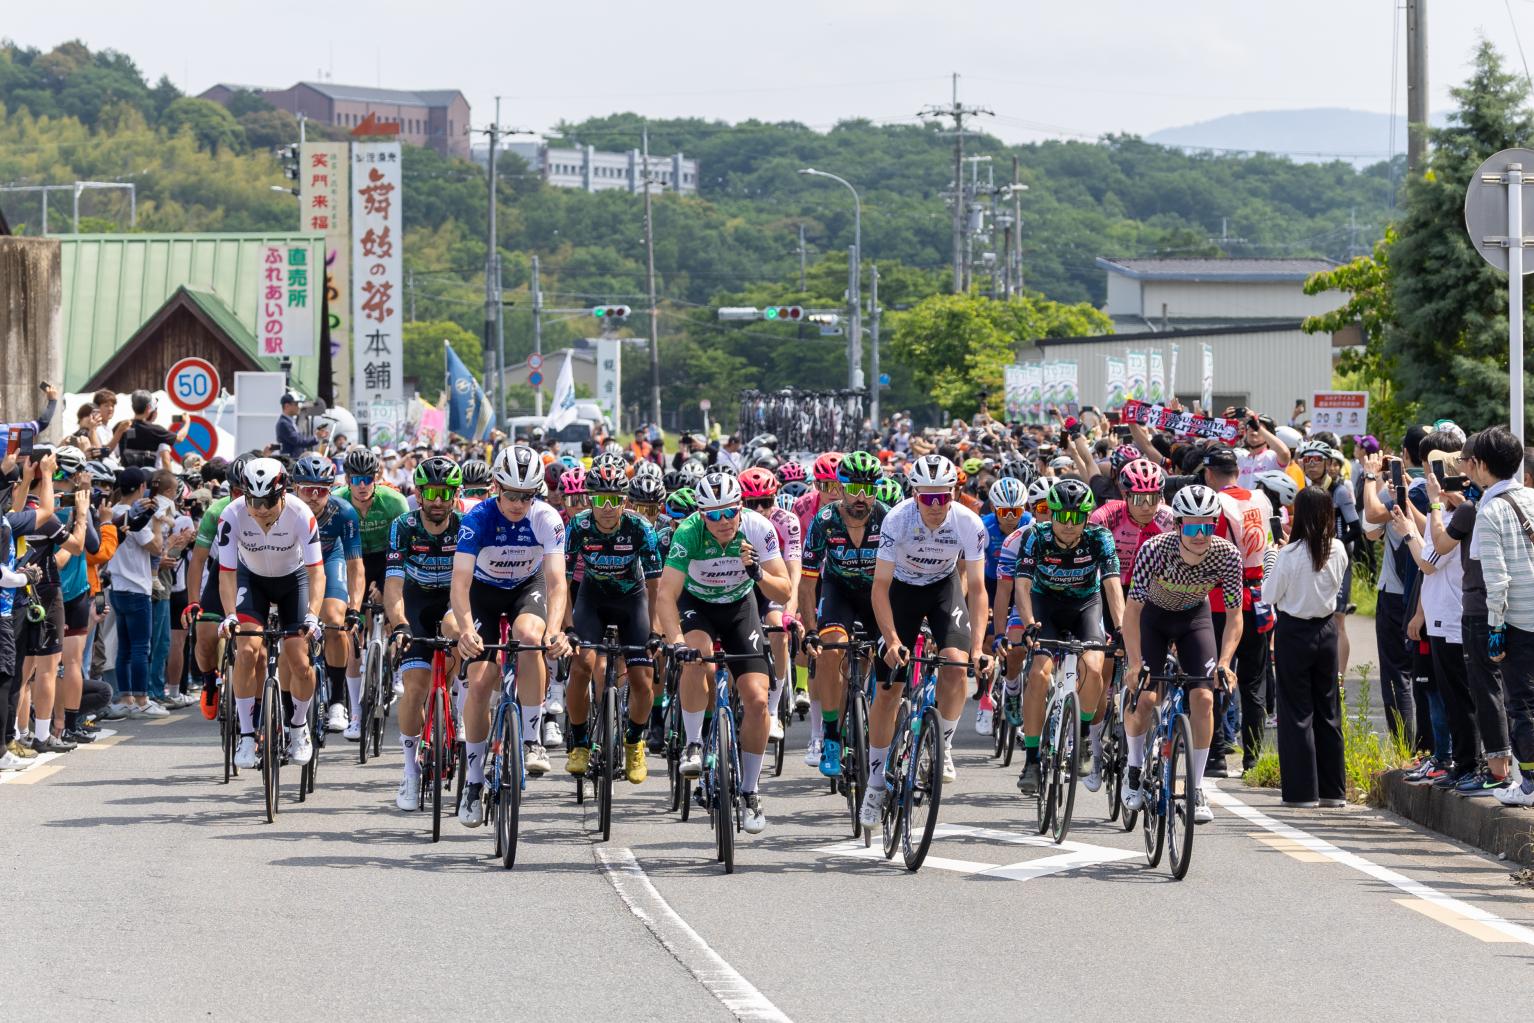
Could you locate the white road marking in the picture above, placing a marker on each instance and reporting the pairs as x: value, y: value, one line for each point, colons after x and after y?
x: 25, y: 775
x: 1071, y: 855
x: 1443, y: 904
x: 686, y: 946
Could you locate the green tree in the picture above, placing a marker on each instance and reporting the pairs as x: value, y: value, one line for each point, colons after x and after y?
x: 268, y: 128
x: 426, y: 360
x: 214, y: 128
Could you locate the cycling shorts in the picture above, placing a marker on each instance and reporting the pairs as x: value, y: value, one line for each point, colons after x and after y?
x: 374, y: 565
x: 488, y: 603
x: 845, y: 610
x: 424, y: 611
x: 257, y: 594
x: 77, y: 615
x: 734, y: 625
x: 1191, y: 632
x: 1059, y: 616
x: 211, y: 602
x: 335, y: 576
x: 593, y: 612
x: 941, y: 605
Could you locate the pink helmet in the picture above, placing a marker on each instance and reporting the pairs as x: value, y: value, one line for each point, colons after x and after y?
x: 825, y: 466
x: 1123, y: 455
x: 791, y: 472
x: 573, y: 481
x: 1141, y: 476
x: 758, y: 484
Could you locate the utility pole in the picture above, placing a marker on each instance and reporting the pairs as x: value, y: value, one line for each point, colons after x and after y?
x: 801, y: 259
x: 873, y: 354
x: 855, y: 318
x: 1017, y: 230
x: 495, y: 338
x: 410, y: 287
x: 649, y: 252
x: 537, y: 334
x: 1416, y: 85
x: 958, y: 112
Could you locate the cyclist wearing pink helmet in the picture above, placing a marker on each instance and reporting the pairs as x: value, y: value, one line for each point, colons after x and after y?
x: 1140, y: 515
x: 792, y: 472
x: 758, y: 491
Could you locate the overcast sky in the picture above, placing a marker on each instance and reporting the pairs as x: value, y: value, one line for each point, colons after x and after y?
x: 1047, y: 68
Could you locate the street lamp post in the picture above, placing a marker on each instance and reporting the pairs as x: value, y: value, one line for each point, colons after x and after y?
x: 854, y: 283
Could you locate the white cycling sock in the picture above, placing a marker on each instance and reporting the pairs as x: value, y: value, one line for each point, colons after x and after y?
x: 692, y: 722
x: 530, y: 717
x: 817, y: 723
x: 300, y: 711
x: 750, y: 771
x: 475, y: 751
x: 1014, y: 685
x: 408, y: 743
x: 354, y: 692
x: 948, y: 727
x: 1095, y: 739
x: 245, y: 709
x: 1136, y: 750
x: 460, y: 696
x: 774, y: 696
x: 877, y: 755
x: 1199, y: 758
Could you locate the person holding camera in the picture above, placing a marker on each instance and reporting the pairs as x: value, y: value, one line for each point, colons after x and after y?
x: 291, y: 441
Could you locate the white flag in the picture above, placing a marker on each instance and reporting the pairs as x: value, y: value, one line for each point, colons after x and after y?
x: 562, y: 412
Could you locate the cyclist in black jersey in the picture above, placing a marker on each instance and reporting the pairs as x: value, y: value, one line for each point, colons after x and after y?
x: 617, y: 553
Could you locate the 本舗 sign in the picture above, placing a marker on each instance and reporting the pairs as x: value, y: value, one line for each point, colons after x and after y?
x: 325, y: 207
x: 377, y: 281
x: 1345, y: 413
x: 192, y: 383
x: 286, y: 309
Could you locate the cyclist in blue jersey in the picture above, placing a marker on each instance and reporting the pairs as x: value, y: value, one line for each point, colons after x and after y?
x: 341, y: 544
x: 510, y: 563
x: 1009, y: 513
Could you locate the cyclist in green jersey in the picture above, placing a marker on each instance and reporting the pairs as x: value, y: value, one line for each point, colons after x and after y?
x: 210, y: 607
x: 377, y: 506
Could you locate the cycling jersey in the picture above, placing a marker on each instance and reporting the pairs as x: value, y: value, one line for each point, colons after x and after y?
x: 388, y: 504
x: 806, y: 507
x: 1076, y: 571
x: 1253, y: 513
x: 1129, y: 535
x: 714, y: 572
x: 921, y: 555
x: 663, y: 528
x: 829, y: 549
x: 340, y: 529
x: 1164, y: 579
x: 994, y: 538
x: 419, y: 556
x: 290, y: 545
x: 207, y: 529
x: 616, y: 563
x: 790, y: 532
x: 508, y: 553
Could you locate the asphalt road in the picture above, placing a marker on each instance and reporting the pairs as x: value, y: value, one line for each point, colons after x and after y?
x: 139, y: 887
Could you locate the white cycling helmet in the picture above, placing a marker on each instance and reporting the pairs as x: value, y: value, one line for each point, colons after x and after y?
x: 1008, y: 493
x: 1313, y: 448
x: 645, y: 467
x: 717, y: 490
x: 518, y: 468
x: 933, y: 471
x: 70, y: 459
x: 1289, y: 435
x: 1279, y: 484
x: 1038, y: 490
x: 265, y: 477
x: 1196, y: 501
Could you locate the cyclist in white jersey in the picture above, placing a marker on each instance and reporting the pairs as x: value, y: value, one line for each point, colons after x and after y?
x: 917, y: 578
x: 269, y: 554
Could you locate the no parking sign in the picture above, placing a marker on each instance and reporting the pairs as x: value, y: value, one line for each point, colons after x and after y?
x: 201, y: 439
x: 192, y: 383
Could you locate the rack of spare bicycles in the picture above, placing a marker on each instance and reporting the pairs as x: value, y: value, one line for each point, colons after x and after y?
x: 805, y: 420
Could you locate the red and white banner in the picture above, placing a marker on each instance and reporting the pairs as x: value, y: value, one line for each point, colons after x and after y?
x: 1185, y: 424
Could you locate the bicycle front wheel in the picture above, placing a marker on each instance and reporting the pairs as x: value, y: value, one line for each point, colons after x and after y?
x: 604, y: 763
x: 855, y: 759
x: 1153, y: 821
x: 372, y: 672
x: 724, y: 784
x: 896, y: 770
x: 271, y: 753
x: 1112, y: 760
x: 925, y: 791
x: 1067, y: 767
x: 508, y: 801
x: 1180, y: 798
x: 438, y: 762
x: 228, y: 724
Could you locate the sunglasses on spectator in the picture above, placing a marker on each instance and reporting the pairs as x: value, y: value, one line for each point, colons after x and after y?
x: 607, y: 500
x: 1073, y: 517
x: 1196, y: 529
x: 1009, y: 512
x: 935, y: 500
x: 518, y: 496
x: 317, y: 491
x: 859, y: 489
x: 721, y: 514
x: 438, y: 493
x: 361, y: 481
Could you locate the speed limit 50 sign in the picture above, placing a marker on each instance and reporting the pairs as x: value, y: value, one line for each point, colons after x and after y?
x: 192, y: 383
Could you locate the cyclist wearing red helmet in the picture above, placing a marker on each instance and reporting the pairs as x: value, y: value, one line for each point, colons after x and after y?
x: 758, y: 491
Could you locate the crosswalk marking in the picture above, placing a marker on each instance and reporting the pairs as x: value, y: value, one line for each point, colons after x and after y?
x: 1070, y: 855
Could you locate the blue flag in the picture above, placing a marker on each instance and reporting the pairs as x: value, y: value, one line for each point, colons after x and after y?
x: 468, y: 410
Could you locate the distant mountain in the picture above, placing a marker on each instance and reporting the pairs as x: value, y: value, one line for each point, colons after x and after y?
x: 1359, y: 137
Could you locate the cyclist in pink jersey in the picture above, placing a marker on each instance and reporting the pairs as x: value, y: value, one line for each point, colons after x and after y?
x: 758, y: 491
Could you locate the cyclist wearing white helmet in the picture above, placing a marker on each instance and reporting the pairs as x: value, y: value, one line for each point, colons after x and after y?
x: 509, y: 562
x: 1174, y: 572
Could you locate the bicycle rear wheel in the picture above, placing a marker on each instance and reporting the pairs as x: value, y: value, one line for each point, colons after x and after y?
x: 604, y: 763
x: 373, y: 672
x: 437, y: 760
x: 1043, y: 799
x: 896, y: 773
x: 784, y: 711
x: 271, y: 754
x: 1153, y: 822
x: 724, y: 791
x: 925, y: 791
x: 228, y: 724
x: 673, y: 738
x: 1180, y: 798
x: 508, y: 802
x: 1112, y: 760
x: 1067, y: 767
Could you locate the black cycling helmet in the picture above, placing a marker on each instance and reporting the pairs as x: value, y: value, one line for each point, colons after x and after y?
x: 361, y: 461
x: 475, y: 472
x: 604, y: 477
x: 438, y: 471
x: 646, y: 490
x: 674, y: 480
x: 237, y: 470
x: 1018, y: 469
x: 314, y: 469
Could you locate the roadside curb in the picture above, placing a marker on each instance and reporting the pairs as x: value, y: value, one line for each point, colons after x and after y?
x: 1506, y: 832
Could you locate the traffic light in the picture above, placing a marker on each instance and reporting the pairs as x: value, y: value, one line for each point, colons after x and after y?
x: 791, y: 313
x: 611, y: 312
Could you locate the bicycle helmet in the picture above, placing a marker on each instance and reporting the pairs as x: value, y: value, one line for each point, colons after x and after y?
x: 1071, y: 495
x: 646, y: 489
x: 1196, y: 501
x: 360, y: 461
x: 763, y: 458
x: 551, y: 474
x: 265, y: 477
x: 1279, y: 485
x: 1018, y: 469
x: 757, y: 484
x: 728, y: 468
x: 791, y: 472
x: 1313, y: 449
x: 681, y: 503
x: 612, y: 447
x: 475, y: 473
x: 972, y: 466
x: 718, y: 490
x: 1141, y: 476
x: 1008, y: 493
x: 69, y: 460
x: 518, y: 468
x: 314, y: 469
x: 1122, y: 456
x: 605, y: 479
x: 691, y: 472
x: 1038, y: 491
x: 933, y: 471
x: 763, y: 440
x: 237, y: 471
x: 101, y: 474
x: 572, y: 481
x: 612, y: 458
x: 859, y: 467
x: 674, y: 480
x: 566, y: 462
x: 438, y: 471
x: 784, y: 500
x: 888, y: 491
x: 645, y: 467
x: 795, y: 489
x: 825, y: 467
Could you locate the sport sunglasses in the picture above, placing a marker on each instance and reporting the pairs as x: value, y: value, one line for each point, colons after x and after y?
x: 360, y: 481
x: 1070, y: 517
x: 1009, y: 512
x: 721, y: 514
x: 1193, y: 529
x: 935, y: 500
x: 859, y: 489
x: 607, y: 500
x: 438, y: 493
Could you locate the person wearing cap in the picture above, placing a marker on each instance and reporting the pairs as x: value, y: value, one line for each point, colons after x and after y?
x: 290, y: 440
x: 141, y: 441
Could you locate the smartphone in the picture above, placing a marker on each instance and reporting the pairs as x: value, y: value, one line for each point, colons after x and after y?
x: 175, y: 422
x: 1445, y: 480
x: 1122, y: 432
x: 1397, y: 482
x: 23, y: 436
x: 1241, y: 413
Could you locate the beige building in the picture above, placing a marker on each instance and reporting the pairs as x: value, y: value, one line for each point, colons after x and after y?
x: 434, y: 118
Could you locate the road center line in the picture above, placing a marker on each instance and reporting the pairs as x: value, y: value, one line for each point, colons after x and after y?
x: 686, y: 945
x: 1430, y: 895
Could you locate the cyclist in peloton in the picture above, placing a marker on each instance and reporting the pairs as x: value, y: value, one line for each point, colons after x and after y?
x: 840, y: 556
x: 827, y: 490
x: 1168, y: 606
x: 377, y: 507
x: 718, y: 557
x: 759, y: 491
x: 341, y: 544
x: 475, y: 474
x: 617, y: 550
x: 1069, y: 565
x: 202, y: 572
x: 269, y: 554
x: 417, y: 589
x: 917, y: 579
x: 510, y: 562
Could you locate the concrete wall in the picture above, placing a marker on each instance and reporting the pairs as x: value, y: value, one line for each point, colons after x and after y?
x: 1281, y: 300
x: 1123, y: 296
x: 31, y: 296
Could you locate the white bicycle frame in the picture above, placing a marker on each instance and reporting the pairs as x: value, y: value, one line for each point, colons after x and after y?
x: 1066, y: 680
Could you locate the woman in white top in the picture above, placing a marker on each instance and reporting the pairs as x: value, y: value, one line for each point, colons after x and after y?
x: 1303, y: 590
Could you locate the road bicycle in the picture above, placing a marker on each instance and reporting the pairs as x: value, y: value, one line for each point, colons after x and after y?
x: 1114, y: 759
x: 718, y: 789
x: 1059, y: 744
x: 785, y: 708
x: 611, y: 709
x: 438, y: 752
x: 1167, y: 778
x: 505, y: 759
x: 857, y: 683
x: 379, y: 663
x: 271, y: 730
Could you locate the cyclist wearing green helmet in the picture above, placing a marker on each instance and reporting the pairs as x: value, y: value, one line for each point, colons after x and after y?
x: 1068, y: 564
x: 888, y: 492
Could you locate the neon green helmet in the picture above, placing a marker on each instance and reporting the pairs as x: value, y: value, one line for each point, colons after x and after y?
x: 438, y: 471
x: 1071, y: 495
x: 681, y: 503
x: 888, y: 491
x: 858, y: 467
